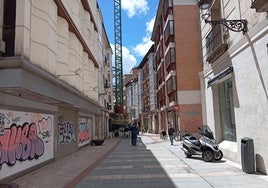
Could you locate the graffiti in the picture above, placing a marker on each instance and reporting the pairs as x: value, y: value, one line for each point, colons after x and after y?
x: 84, y: 132
x: 3, y: 117
x: 45, y: 128
x: 20, y: 143
x: 17, y: 119
x: 66, y: 133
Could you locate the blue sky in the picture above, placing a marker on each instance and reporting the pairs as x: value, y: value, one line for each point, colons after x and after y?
x: 137, y: 23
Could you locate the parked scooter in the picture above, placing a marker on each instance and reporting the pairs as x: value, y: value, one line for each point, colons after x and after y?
x: 206, y: 146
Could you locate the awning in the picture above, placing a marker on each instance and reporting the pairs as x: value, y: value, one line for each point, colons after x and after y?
x: 219, y: 76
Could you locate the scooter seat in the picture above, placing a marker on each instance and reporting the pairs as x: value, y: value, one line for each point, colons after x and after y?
x: 194, y: 140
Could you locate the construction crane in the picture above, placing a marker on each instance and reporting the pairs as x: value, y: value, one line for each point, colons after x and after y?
x: 119, y: 119
x: 118, y: 69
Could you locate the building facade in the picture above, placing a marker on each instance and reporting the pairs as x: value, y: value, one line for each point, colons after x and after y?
x: 176, y: 35
x: 105, y: 87
x: 51, y: 52
x: 132, y: 95
x: 149, y: 111
x: 235, y: 76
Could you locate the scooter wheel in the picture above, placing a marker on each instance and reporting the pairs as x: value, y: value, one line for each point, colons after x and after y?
x: 208, y: 155
x: 218, y: 156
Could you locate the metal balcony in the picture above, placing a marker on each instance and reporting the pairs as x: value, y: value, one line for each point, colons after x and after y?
x: 216, y: 42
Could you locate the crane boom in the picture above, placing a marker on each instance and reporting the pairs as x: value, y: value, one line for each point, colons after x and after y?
x: 118, y: 69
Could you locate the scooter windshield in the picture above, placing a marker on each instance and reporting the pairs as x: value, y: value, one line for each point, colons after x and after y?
x: 206, y: 131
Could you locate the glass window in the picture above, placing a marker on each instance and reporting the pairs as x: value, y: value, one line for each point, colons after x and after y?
x: 228, y: 126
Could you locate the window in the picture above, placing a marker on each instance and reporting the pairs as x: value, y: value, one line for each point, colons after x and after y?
x: 171, y: 89
x: 171, y: 84
x: 170, y: 60
x: 9, y: 27
x: 108, y: 57
x: 228, y: 126
x: 169, y: 32
x: 167, y: 8
x: 216, y: 40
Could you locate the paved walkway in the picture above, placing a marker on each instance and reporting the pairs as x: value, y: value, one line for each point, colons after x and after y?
x: 65, y: 171
x: 152, y: 163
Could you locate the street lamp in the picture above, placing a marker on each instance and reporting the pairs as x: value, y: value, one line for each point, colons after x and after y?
x: 233, y: 25
x: 204, y: 4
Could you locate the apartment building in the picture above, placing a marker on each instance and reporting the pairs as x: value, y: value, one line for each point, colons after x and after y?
x: 176, y: 35
x: 132, y: 94
x: 149, y: 112
x: 105, y: 86
x: 235, y: 74
x: 51, y: 54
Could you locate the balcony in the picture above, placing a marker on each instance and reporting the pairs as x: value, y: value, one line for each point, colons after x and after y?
x: 216, y: 42
x: 167, y: 8
x: 260, y: 5
x: 170, y: 60
x: 169, y: 32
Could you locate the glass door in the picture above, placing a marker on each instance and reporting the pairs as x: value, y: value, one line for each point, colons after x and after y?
x: 227, y: 110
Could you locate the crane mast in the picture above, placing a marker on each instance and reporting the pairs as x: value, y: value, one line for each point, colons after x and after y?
x: 118, y: 69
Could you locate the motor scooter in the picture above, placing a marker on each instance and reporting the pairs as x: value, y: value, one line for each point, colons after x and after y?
x: 205, y: 146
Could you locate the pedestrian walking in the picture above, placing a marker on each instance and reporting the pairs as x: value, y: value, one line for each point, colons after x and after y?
x: 171, y: 131
x: 134, y: 132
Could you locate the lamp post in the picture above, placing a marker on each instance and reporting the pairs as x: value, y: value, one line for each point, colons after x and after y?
x: 233, y: 25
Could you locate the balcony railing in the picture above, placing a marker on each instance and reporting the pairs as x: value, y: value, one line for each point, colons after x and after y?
x: 216, y: 42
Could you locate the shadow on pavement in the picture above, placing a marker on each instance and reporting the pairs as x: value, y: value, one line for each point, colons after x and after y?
x: 128, y: 166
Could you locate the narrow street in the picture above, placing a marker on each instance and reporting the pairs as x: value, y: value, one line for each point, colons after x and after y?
x: 154, y: 163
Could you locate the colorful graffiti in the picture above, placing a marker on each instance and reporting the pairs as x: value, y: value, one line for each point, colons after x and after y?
x: 45, y: 128
x: 26, y: 140
x: 66, y: 133
x: 84, y: 133
x: 20, y: 143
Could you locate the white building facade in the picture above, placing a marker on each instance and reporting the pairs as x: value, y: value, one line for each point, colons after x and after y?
x: 49, y: 72
x: 235, y: 77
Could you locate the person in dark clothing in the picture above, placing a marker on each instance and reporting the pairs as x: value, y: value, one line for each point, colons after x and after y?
x: 171, y: 131
x: 134, y: 132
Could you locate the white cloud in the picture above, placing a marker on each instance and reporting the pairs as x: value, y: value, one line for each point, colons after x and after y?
x: 135, y: 7
x: 142, y: 48
x: 129, y: 61
x: 150, y: 25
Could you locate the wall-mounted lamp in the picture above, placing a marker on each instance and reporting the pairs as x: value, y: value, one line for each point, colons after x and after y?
x: 77, y: 72
x: 204, y: 4
x: 234, y: 25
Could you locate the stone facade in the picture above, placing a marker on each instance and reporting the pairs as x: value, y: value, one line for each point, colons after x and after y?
x: 235, y: 83
x: 51, y: 54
